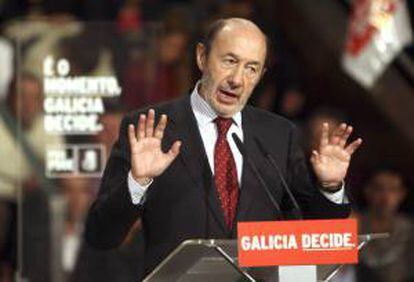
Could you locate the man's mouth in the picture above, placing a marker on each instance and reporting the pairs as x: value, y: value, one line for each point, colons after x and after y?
x: 226, y: 97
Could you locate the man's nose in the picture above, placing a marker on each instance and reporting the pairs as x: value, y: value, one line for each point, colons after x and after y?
x: 236, y: 77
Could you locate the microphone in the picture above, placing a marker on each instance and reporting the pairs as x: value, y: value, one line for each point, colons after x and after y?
x: 298, y: 211
x: 253, y: 167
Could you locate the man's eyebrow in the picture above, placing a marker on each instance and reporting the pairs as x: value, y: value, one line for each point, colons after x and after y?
x: 231, y: 55
x: 256, y: 63
x: 253, y: 62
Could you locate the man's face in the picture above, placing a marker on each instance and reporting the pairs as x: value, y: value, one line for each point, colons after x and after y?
x: 385, y: 193
x: 232, y: 68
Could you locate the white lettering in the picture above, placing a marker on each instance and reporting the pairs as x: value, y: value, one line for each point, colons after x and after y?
x: 270, y: 242
x: 63, y: 67
x: 245, y: 243
x: 48, y: 66
x: 57, y: 160
x: 326, y: 240
x: 73, y: 105
x: 72, y: 123
x: 82, y: 85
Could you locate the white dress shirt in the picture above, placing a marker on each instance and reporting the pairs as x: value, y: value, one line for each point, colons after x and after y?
x: 205, y: 116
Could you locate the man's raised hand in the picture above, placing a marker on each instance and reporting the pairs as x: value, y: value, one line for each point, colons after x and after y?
x: 330, y: 163
x: 147, y: 158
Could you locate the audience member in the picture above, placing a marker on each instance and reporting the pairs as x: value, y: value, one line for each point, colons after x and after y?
x: 386, y: 260
x: 39, y: 37
x: 24, y: 144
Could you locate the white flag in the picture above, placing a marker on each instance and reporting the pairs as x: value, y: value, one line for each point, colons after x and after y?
x: 378, y: 31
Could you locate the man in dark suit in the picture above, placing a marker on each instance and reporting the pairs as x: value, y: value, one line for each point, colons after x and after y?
x: 187, y: 179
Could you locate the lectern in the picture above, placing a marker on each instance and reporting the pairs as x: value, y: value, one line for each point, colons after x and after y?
x: 216, y: 260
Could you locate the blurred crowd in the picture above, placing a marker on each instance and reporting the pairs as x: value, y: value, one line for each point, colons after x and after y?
x: 148, y: 45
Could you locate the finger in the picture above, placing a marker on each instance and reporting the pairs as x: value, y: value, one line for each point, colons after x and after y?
x: 345, y: 136
x: 131, y: 135
x: 149, y: 126
x: 338, y: 132
x: 174, y: 150
x: 351, y: 148
x: 324, y: 135
x: 314, y: 157
x: 141, y: 127
x: 159, y: 130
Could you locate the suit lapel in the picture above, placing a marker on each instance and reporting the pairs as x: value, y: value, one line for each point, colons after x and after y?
x: 184, y: 127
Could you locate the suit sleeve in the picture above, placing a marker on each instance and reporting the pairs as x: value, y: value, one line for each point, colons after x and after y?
x: 113, y: 213
x: 305, y: 189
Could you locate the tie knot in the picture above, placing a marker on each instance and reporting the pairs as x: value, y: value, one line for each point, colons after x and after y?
x: 223, y: 125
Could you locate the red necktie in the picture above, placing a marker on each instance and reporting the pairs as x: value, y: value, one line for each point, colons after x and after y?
x: 225, y: 172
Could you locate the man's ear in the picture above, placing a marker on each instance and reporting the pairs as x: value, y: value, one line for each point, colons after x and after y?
x: 201, y: 56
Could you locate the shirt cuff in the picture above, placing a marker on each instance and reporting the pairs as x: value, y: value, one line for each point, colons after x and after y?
x: 136, y: 190
x: 337, y: 197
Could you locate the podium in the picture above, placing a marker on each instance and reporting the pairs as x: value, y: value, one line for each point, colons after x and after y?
x: 216, y: 260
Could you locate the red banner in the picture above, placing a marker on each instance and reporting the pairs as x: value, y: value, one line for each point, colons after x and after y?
x: 303, y: 242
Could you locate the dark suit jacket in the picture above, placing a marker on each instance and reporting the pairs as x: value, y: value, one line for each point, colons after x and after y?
x: 182, y: 203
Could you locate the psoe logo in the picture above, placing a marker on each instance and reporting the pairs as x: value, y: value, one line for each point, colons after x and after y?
x: 75, y: 160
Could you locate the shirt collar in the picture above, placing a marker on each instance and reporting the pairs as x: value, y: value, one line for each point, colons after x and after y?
x: 203, y: 112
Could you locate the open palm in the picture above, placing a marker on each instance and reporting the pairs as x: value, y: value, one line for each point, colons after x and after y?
x: 147, y: 158
x: 330, y: 163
